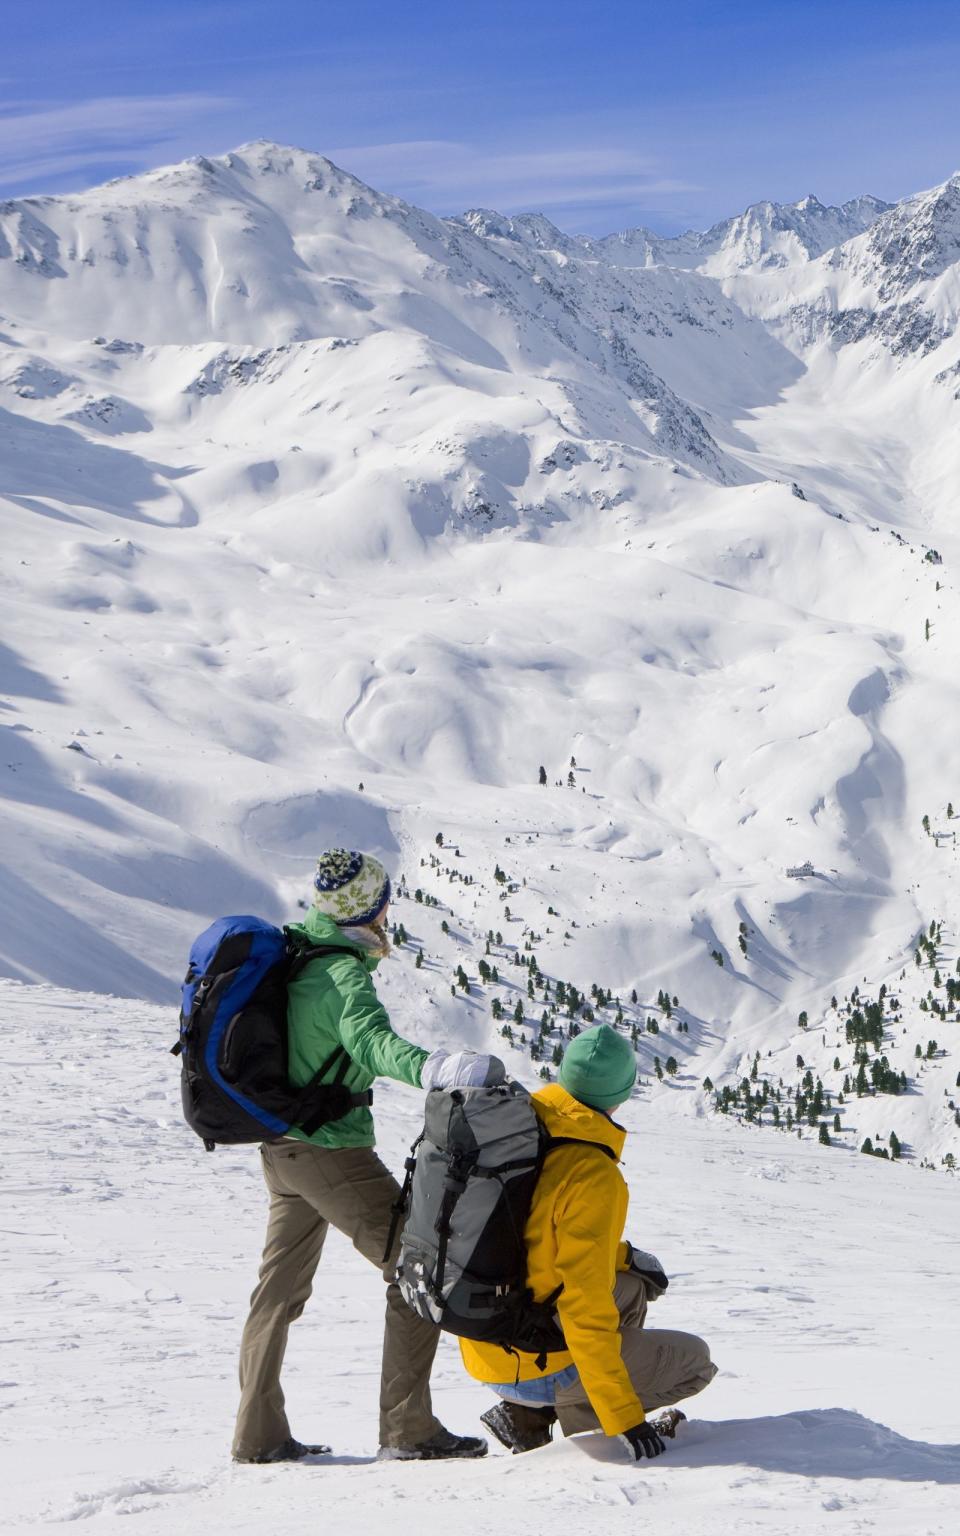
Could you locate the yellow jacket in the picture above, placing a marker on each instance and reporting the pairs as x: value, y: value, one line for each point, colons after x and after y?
x: 574, y: 1238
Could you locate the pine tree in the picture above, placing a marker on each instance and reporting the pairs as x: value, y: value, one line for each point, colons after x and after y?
x: 895, y: 1148
x: 419, y: 960
x: 543, y: 775
x: 518, y: 1013
x: 672, y: 1067
x: 824, y: 1134
x: 867, y: 1147
x: 836, y: 1125
x: 657, y: 1068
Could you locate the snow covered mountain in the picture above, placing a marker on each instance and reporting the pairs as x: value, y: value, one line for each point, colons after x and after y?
x: 765, y: 235
x: 304, y: 489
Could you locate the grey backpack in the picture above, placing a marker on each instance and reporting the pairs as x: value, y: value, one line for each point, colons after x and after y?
x: 470, y: 1181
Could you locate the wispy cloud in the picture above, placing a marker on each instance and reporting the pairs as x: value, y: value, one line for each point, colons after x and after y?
x: 39, y: 141
x: 449, y: 176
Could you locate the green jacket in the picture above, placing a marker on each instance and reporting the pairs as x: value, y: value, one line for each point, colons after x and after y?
x: 333, y: 1002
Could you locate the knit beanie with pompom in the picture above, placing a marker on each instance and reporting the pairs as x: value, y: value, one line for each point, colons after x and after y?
x: 350, y: 887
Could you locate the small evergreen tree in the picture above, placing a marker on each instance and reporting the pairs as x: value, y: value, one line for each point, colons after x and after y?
x: 824, y: 1134
x: 672, y: 1067
x: 867, y: 1147
x: 543, y: 775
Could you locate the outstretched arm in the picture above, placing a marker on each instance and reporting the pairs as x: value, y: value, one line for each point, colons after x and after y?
x: 366, y: 1031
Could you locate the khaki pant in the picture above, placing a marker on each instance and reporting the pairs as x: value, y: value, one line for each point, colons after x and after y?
x: 663, y: 1365
x: 313, y: 1188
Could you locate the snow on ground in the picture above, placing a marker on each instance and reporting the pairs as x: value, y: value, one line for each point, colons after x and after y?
x: 827, y: 1286
x: 326, y: 521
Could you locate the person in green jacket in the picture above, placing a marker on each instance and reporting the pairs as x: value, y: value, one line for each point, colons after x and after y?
x: 334, y: 1177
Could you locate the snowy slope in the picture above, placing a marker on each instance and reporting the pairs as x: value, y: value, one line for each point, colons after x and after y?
x: 303, y: 489
x: 827, y: 1287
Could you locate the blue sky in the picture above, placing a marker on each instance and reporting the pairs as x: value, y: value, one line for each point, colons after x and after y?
x: 602, y: 115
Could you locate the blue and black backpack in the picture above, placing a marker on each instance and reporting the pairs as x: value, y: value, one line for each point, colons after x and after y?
x: 233, y: 1038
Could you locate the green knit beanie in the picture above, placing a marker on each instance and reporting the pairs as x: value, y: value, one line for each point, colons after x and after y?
x: 599, y: 1068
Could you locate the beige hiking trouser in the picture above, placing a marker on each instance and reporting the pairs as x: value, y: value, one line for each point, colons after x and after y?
x: 313, y: 1188
x: 663, y: 1365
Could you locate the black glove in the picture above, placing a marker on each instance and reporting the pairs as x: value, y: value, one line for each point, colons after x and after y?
x: 643, y: 1440
x: 648, y: 1268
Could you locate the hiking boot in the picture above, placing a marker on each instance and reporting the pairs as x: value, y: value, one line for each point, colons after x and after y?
x: 519, y: 1427
x: 443, y: 1446
x: 288, y: 1450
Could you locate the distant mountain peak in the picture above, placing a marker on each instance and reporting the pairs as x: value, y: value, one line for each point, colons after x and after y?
x: 765, y: 234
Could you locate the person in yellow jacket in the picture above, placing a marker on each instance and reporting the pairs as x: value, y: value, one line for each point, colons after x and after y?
x: 613, y: 1369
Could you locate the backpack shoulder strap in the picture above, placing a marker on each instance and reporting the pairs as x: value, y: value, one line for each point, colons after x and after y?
x: 339, y: 1057
x: 302, y: 954
x: 575, y: 1141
